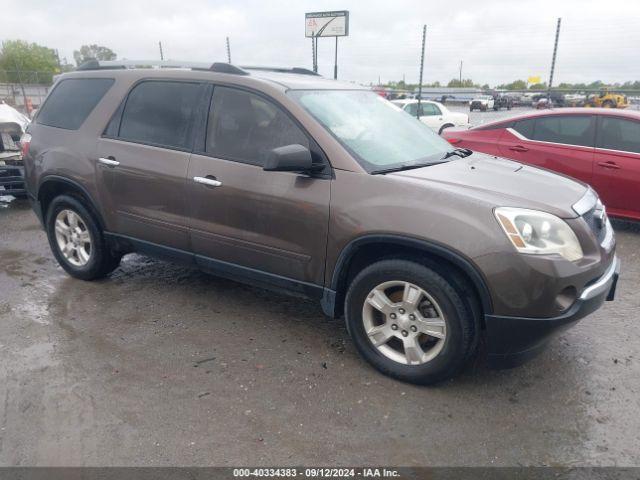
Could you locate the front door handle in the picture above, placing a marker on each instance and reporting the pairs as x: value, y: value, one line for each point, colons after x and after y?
x: 519, y: 148
x: 611, y: 165
x: 109, y: 162
x: 209, y: 181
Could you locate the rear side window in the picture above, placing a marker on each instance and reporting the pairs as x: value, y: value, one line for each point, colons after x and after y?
x: 619, y: 134
x: 72, y: 101
x: 412, y: 109
x: 245, y: 127
x: 431, y: 109
x: 160, y: 113
x: 525, y: 127
x: 571, y: 130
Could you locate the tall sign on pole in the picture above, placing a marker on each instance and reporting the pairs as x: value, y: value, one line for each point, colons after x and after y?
x: 553, y: 60
x: 326, y: 24
x: 424, y: 37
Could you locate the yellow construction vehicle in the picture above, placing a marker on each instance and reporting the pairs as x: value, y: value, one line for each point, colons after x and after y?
x: 607, y: 99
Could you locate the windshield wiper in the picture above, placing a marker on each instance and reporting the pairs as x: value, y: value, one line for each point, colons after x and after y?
x: 406, y: 167
x: 461, y: 152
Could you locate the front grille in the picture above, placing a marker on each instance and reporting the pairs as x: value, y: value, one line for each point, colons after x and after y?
x: 597, y: 225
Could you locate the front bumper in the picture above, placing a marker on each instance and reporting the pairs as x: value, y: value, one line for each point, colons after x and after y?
x: 511, y: 341
x: 12, y: 180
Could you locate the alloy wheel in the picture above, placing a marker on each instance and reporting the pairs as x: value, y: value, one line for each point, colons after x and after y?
x: 73, y: 238
x: 404, y: 322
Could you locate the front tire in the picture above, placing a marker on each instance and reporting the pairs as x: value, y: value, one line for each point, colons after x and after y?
x: 76, y: 240
x: 410, y: 322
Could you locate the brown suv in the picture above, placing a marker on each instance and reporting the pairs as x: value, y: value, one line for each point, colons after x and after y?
x: 283, y: 179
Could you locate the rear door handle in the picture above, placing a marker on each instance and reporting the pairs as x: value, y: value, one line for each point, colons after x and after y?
x: 209, y: 181
x: 109, y: 162
x: 519, y: 148
x: 611, y: 165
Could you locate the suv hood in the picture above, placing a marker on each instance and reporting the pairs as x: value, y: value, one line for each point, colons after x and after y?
x: 502, y: 182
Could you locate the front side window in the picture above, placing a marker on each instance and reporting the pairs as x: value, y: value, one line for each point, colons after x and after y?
x: 570, y: 130
x: 377, y: 134
x: 245, y: 127
x: 619, y: 134
x: 72, y: 101
x: 160, y: 113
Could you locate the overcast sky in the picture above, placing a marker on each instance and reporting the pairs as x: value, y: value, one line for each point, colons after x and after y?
x: 497, y: 40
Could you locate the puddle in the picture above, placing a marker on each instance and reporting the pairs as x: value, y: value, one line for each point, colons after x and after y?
x: 36, y: 287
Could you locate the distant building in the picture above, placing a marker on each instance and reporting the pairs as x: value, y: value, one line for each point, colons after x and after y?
x: 451, y: 94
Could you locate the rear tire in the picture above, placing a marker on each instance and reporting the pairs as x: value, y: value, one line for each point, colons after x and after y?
x: 76, y: 239
x: 452, y: 324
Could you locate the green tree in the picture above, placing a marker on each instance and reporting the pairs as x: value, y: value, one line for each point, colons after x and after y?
x: 455, y: 83
x: 515, y: 85
x: 26, y: 62
x: 538, y: 86
x: 88, y: 52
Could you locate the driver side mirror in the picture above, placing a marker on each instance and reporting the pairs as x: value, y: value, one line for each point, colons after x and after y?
x: 291, y: 158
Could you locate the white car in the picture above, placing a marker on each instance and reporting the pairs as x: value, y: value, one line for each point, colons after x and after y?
x: 482, y: 103
x: 434, y: 115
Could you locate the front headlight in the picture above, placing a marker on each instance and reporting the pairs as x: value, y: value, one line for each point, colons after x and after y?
x: 541, y: 233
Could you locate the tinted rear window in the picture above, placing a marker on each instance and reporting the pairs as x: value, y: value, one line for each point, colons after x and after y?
x: 619, y: 134
x: 72, y: 101
x: 160, y: 113
x: 571, y: 130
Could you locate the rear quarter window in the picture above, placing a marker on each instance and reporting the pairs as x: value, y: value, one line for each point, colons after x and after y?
x: 494, y: 126
x: 71, y: 102
x: 525, y: 127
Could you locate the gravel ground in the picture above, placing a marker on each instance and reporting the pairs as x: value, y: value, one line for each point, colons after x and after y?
x: 163, y: 365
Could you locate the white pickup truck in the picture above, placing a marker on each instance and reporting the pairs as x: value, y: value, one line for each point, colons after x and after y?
x: 482, y: 103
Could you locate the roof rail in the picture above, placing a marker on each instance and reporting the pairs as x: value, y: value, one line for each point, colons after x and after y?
x: 298, y: 70
x: 94, y: 64
x: 222, y: 67
x: 218, y: 67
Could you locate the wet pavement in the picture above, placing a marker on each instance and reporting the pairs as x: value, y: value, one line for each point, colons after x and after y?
x: 163, y: 365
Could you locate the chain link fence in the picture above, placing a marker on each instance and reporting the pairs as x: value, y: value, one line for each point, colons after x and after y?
x: 24, y: 90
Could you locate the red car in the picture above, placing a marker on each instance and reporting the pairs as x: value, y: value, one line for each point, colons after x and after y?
x: 598, y: 146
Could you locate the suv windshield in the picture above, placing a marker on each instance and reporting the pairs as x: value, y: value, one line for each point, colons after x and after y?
x: 378, y: 134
